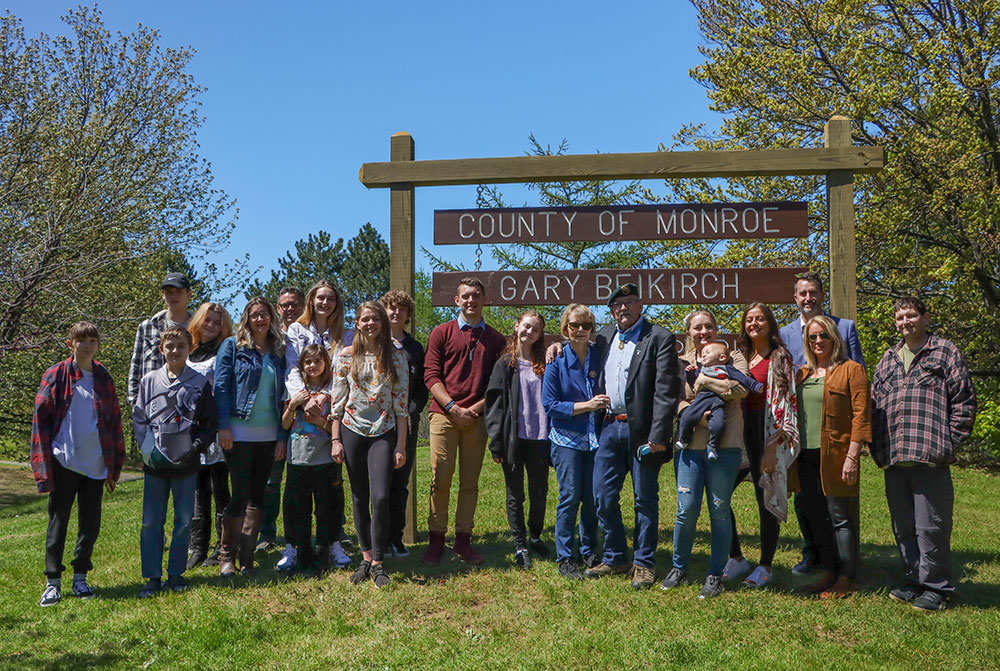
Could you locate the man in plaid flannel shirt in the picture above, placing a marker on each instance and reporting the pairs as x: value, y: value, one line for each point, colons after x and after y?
x: 924, y: 407
x: 146, y: 356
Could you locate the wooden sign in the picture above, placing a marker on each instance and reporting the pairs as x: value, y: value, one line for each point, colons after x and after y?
x: 706, y: 221
x: 658, y: 286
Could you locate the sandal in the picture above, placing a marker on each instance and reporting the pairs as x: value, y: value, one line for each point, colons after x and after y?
x: 759, y: 578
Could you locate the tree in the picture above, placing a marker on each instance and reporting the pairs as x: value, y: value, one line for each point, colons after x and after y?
x: 360, y: 269
x: 100, y: 182
x: 918, y: 78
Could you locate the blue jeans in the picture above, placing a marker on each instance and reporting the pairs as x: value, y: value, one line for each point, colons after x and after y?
x: 694, y: 474
x: 615, y: 457
x: 575, y: 474
x: 155, y: 493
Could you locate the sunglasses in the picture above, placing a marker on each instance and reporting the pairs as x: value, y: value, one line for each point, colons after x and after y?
x: 813, y: 337
x: 574, y: 326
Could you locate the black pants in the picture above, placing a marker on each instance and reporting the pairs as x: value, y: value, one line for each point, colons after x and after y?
x: 753, y: 438
x: 531, y: 457
x: 815, y: 512
x: 213, y: 484
x: 249, y: 465
x: 88, y: 493
x: 307, y: 489
x: 921, y: 502
x: 703, y: 402
x: 369, y: 466
x: 845, y: 520
x: 399, y: 491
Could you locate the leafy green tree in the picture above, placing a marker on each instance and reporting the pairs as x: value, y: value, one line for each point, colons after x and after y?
x: 360, y: 268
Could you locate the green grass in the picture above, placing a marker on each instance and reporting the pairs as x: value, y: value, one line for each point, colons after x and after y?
x: 495, y: 616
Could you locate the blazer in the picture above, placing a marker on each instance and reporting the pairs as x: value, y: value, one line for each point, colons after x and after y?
x: 565, y: 384
x: 655, y: 384
x: 847, y: 417
x: 792, y: 335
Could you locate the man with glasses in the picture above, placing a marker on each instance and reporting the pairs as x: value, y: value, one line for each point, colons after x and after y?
x: 809, y: 298
x: 291, y: 304
x: 643, y: 380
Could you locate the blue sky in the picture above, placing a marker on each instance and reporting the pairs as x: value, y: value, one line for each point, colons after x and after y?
x: 300, y: 94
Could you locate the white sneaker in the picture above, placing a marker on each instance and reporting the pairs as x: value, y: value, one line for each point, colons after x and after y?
x: 289, y: 558
x: 338, y: 556
x: 759, y: 578
x: 735, y: 569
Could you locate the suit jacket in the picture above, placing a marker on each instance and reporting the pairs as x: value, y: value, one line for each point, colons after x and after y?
x: 792, y: 335
x: 655, y: 384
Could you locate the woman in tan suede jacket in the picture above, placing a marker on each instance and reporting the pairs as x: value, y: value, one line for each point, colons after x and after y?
x: 834, y: 422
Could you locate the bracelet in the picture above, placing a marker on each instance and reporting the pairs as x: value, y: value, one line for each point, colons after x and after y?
x: 448, y: 405
x: 336, y: 439
x: 854, y: 459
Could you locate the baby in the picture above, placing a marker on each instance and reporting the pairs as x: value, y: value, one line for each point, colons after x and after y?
x: 714, y: 364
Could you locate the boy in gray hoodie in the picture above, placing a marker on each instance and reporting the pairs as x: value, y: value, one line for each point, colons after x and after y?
x: 174, y: 419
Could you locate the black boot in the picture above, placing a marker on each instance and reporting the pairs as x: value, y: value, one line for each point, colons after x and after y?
x: 199, y: 542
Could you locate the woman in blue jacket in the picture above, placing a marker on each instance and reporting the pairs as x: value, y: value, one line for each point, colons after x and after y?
x: 572, y: 401
x: 249, y: 385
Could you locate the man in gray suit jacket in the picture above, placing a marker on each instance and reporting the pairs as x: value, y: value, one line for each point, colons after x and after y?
x: 809, y: 298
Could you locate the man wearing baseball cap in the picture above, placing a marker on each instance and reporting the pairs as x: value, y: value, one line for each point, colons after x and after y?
x: 146, y: 357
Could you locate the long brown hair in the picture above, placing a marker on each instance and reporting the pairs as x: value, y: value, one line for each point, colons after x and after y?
x: 275, y: 338
x: 383, y: 347
x: 537, y: 350
x: 780, y: 356
x: 313, y: 351
x: 198, y: 321
x: 335, y: 323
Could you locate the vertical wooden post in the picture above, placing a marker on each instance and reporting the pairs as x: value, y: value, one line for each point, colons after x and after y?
x: 840, y: 216
x: 401, y: 207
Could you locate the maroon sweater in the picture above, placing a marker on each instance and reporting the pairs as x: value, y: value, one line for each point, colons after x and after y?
x: 448, y: 361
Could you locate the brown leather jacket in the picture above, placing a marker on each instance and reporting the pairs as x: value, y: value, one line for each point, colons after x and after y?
x: 847, y: 417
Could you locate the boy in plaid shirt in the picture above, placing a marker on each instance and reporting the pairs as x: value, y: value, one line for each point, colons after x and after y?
x: 77, y: 449
x: 924, y: 406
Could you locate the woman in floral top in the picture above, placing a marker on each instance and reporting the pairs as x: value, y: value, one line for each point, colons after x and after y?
x: 369, y: 426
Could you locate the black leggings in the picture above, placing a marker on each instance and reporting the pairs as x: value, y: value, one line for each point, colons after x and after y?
x: 249, y: 466
x: 531, y: 458
x: 369, y: 467
x: 753, y: 438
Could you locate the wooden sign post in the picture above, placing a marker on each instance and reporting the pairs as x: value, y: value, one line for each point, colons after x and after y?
x: 839, y: 160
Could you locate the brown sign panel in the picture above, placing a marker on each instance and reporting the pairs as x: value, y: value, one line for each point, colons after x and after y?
x: 698, y: 221
x: 658, y: 286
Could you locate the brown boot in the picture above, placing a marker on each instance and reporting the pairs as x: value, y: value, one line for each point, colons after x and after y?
x: 824, y: 582
x: 248, y: 538
x: 463, y: 548
x: 435, y: 549
x: 231, y: 527
x: 843, y: 588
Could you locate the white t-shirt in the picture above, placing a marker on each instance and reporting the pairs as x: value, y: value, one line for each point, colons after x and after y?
x: 77, y: 445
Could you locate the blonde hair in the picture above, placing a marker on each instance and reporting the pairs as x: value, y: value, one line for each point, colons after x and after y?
x: 335, y: 322
x: 275, y: 338
x: 839, y: 354
x: 689, y: 345
x: 198, y: 321
x: 572, y: 309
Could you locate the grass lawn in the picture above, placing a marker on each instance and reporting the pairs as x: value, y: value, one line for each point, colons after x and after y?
x: 496, y: 616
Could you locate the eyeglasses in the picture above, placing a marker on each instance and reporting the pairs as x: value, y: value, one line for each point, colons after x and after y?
x: 813, y: 337
x: 618, y: 305
x: 259, y: 316
x: 289, y: 306
x: 576, y: 326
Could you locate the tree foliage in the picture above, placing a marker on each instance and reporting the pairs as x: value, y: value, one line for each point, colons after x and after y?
x: 99, y: 171
x: 360, y: 268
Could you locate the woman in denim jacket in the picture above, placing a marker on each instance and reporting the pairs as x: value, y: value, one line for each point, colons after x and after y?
x: 249, y: 386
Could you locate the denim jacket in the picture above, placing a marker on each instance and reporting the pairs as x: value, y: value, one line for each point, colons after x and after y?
x: 237, y: 374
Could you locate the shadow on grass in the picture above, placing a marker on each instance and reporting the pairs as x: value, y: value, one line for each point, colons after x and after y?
x: 70, y: 661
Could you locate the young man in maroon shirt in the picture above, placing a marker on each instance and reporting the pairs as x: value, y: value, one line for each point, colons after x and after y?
x: 460, y: 355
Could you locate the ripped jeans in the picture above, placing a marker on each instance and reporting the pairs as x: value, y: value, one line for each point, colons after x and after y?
x: 694, y: 474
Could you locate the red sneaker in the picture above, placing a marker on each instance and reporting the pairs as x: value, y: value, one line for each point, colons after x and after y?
x: 463, y: 548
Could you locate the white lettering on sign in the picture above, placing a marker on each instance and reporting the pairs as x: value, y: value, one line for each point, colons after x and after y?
x: 768, y: 219
x: 653, y: 284
x: 609, y: 215
x: 529, y: 285
x: 508, y: 287
x: 572, y: 286
x: 461, y: 220
x: 569, y: 223
x: 602, y: 287
x: 728, y: 216
x: 733, y: 284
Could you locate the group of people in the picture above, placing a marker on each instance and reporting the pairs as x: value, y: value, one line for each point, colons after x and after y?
x: 221, y: 413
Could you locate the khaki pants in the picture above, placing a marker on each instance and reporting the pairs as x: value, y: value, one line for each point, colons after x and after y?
x: 468, y: 444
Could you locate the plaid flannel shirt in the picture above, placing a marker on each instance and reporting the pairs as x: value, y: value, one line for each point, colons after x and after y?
x: 51, y: 405
x: 146, y: 355
x: 925, y: 414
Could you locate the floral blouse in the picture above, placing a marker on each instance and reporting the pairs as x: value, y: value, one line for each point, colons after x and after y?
x: 369, y: 408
